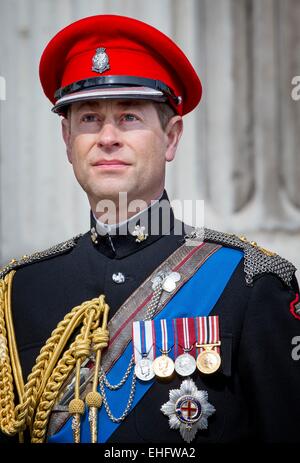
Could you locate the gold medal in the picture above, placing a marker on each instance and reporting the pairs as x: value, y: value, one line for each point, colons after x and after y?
x: 208, y: 334
x: 208, y: 361
x: 163, y: 366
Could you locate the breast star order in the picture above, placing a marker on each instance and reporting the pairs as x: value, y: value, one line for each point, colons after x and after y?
x: 188, y: 409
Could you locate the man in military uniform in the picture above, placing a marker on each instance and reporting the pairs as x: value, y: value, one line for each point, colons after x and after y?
x: 141, y: 330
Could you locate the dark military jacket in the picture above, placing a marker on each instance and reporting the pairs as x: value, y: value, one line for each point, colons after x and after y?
x: 256, y: 394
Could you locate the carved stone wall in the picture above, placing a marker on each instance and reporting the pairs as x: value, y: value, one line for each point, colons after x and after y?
x: 240, y: 148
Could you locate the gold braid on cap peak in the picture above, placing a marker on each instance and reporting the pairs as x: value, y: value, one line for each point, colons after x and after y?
x: 52, y: 367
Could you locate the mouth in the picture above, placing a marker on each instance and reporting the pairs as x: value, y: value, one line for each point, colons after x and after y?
x: 111, y: 164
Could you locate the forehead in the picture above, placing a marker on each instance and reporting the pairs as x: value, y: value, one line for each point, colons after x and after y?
x: 117, y: 104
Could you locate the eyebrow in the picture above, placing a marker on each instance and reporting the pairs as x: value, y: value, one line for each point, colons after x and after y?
x: 122, y: 104
x: 88, y: 104
x: 130, y: 102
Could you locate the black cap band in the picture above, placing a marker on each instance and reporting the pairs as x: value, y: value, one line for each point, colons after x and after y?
x: 116, y: 81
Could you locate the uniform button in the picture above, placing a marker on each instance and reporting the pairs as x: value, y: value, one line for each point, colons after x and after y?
x: 118, y: 277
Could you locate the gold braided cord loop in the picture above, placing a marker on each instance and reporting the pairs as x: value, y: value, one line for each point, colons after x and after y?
x: 63, y: 369
x: 58, y: 377
x: 94, y: 399
x: 100, y: 339
x: 14, y: 355
x: 52, y: 366
x: 54, y: 346
x: 7, y: 409
x: 47, y: 357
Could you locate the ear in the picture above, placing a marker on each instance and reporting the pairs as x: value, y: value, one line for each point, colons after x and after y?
x: 66, y: 133
x: 173, y: 131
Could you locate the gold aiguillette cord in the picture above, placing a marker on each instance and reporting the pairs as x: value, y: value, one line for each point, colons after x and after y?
x: 76, y: 406
x: 82, y: 350
x: 94, y: 398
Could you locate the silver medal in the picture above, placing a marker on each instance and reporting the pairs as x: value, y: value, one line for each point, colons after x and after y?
x: 169, y: 283
x: 144, y: 370
x: 185, y: 364
x: 167, y: 279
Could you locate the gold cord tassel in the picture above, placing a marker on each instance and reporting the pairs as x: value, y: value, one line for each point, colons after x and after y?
x: 76, y: 408
x: 93, y: 398
x: 82, y: 350
x: 94, y: 402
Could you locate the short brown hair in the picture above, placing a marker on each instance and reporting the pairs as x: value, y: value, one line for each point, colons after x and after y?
x: 165, y: 113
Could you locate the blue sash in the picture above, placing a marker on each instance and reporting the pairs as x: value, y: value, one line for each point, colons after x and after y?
x: 197, y: 297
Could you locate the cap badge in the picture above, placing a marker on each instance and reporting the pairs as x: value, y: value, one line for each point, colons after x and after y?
x: 100, y: 61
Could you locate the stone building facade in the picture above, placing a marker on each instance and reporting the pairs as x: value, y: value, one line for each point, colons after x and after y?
x: 240, y: 150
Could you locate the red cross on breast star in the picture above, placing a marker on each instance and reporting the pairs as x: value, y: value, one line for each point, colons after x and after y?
x: 189, y: 410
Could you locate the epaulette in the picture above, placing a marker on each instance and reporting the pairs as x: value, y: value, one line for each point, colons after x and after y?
x: 257, y: 260
x: 55, y: 250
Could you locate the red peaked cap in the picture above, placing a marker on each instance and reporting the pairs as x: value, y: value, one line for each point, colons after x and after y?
x: 134, y: 50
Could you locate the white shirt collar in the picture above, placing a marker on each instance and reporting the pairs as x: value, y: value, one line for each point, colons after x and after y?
x: 103, y: 228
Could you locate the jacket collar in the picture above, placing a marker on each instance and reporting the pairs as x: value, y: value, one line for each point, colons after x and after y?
x: 139, y: 231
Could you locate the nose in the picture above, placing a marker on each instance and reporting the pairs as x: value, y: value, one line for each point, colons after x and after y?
x: 108, y: 136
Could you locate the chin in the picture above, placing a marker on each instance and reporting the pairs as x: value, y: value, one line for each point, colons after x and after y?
x: 111, y: 193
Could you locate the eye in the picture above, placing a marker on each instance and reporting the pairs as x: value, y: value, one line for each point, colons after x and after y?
x: 129, y: 117
x: 89, y: 118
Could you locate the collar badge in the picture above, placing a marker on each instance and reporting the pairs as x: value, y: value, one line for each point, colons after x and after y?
x: 188, y: 409
x: 139, y: 233
x: 100, y: 61
x: 94, y: 235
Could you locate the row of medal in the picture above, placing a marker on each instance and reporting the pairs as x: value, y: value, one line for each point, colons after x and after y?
x: 181, y: 345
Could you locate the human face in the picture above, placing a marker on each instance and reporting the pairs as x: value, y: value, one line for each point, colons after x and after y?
x: 119, y: 146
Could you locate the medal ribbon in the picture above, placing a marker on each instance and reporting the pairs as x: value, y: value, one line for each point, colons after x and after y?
x: 185, y: 336
x: 143, y: 340
x: 208, y: 331
x: 164, y: 336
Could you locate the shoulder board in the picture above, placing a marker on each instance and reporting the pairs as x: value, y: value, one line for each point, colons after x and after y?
x: 257, y: 260
x: 55, y: 250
